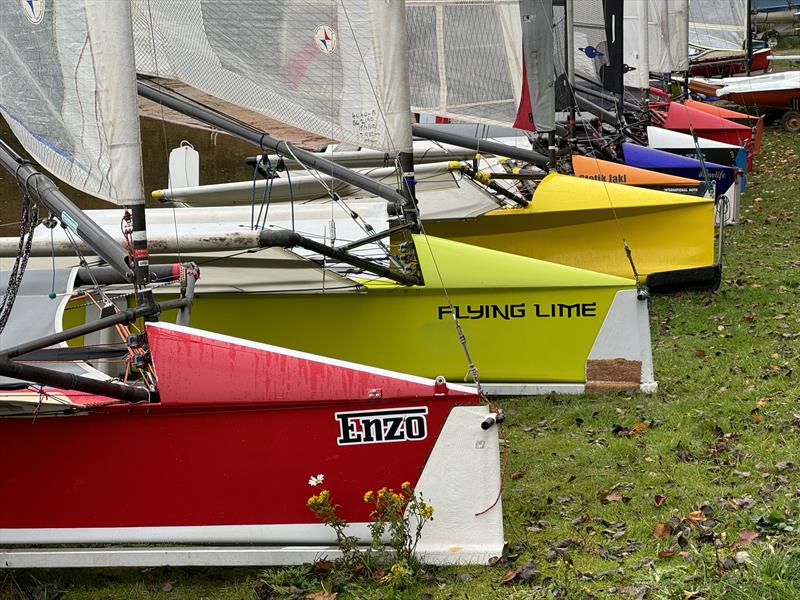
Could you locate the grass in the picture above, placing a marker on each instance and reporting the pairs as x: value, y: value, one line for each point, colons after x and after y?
x: 708, y: 459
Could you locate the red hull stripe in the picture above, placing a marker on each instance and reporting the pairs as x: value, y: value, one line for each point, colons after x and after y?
x: 195, y: 367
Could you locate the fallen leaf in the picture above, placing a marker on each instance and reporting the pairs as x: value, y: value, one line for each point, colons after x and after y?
x: 323, y: 566
x: 638, y: 429
x: 517, y: 475
x: 690, y: 594
x: 659, y: 499
x: 695, y: 517
x: 742, y: 474
x: 746, y: 538
x: 665, y: 554
x: 322, y: 595
x: 613, y: 496
x: 661, y: 530
x: 699, y: 353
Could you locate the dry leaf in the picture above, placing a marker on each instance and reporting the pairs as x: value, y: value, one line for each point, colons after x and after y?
x: 664, y: 554
x: 322, y: 566
x: 638, y: 429
x: 659, y: 499
x: 511, y: 575
x: 322, y: 595
x: 699, y: 353
x: 662, y: 530
x: 613, y: 496
x: 746, y: 538
x: 690, y: 594
x: 695, y: 517
x: 517, y: 475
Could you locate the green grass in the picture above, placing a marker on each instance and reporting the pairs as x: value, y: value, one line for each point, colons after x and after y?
x: 718, y: 433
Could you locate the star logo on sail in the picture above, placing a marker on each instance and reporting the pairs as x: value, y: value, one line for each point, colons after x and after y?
x: 33, y: 9
x: 325, y: 37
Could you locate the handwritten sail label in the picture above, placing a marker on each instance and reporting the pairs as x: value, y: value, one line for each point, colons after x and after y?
x: 520, y: 310
x: 325, y: 37
x: 382, y: 426
x: 33, y: 9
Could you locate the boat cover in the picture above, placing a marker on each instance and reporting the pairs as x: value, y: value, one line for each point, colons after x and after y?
x: 602, y: 170
x: 687, y: 119
x: 36, y: 315
x: 683, y: 166
x: 676, y: 142
x: 732, y: 115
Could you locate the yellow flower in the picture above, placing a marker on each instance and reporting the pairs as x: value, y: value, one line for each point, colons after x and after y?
x: 397, y: 570
x: 406, y: 486
x: 426, y: 512
x: 369, y: 496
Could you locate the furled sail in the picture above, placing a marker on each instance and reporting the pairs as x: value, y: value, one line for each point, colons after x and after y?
x: 656, y: 39
x: 668, y: 35
x: 718, y: 24
x: 68, y: 92
x: 332, y: 67
x: 486, y: 61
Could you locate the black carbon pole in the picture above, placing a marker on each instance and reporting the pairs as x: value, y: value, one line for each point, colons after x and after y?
x: 266, y: 141
x: 73, y: 218
x: 479, y: 145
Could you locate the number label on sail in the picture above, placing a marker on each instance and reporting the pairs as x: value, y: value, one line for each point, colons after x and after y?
x: 382, y: 426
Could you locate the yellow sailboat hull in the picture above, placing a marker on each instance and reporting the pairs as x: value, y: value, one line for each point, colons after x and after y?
x: 525, y: 321
x: 582, y: 223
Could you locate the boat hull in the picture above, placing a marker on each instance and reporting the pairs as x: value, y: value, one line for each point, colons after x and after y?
x: 578, y: 222
x: 529, y: 325
x: 201, y: 466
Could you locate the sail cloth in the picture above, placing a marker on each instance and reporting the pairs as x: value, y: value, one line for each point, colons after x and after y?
x: 485, y: 61
x: 718, y: 24
x: 335, y: 68
x: 589, y: 47
x: 656, y: 39
x: 68, y: 92
x: 668, y: 35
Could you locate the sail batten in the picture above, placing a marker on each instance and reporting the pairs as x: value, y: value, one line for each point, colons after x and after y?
x: 67, y: 91
x: 338, y: 69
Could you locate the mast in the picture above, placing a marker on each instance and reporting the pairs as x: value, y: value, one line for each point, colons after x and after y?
x: 748, y: 37
x: 569, y: 16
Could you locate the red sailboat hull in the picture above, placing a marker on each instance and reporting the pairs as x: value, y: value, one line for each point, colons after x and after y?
x: 227, y: 453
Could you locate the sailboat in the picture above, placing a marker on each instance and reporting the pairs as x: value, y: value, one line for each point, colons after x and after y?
x: 496, y: 86
x: 720, y: 36
x: 398, y: 312
x: 208, y: 445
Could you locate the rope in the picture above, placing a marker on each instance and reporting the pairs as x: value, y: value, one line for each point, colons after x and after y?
x: 30, y: 217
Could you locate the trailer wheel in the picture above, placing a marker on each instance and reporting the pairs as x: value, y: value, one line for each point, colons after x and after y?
x: 790, y: 121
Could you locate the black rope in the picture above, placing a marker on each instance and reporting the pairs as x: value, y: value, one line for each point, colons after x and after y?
x: 30, y: 217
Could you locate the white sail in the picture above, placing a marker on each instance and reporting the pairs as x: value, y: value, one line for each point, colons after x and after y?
x: 668, y: 31
x: 485, y: 61
x: 335, y: 68
x: 718, y: 24
x: 656, y: 39
x: 636, y: 44
x: 68, y: 92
